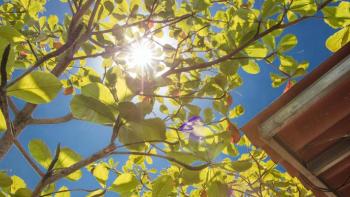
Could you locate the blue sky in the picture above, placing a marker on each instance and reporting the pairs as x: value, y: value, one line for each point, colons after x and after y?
x: 85, y: 138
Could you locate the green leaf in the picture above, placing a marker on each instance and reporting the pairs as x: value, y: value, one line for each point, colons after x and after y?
x: 236, y: 112
x: 37, y: 87
x: 99, y: 92
x: 251, y: 68
x: 164, y: 109
x: 11, y: 34
x: 92, y: 110
x: 145, y: 130
x: 5, y: 181
x: 270, y: 8
x: 190, y: 177
x: 63, y: 194
x: 208, y: 114
x: 67, y: 158
x: 124, y: 183
x: 277, y: 80
x: 3, y: 126
x: 40, y: 152
x: 241, y: 166
x: 229, y: 67
x: 337, y: 16
x: 200, y: 5
x: 288, y: 42
x: 116, y: 79
x: 256, y: 50
x: 185, y: 157
x: 130, y: 111
x: 162, y: 186
x: 23, y: 192
x: 217, y: 189
x: 338, y: 39
x: 304, y: 7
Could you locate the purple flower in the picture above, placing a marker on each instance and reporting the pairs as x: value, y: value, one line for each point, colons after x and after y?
x: 188, y: 126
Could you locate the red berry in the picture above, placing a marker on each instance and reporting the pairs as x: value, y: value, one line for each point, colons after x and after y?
x: 150, y: 25
x: 68, y: 91
x: 23, y: 54
x: 229, y: 100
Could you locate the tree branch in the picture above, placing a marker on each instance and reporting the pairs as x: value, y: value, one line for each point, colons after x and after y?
x: 243, y: 46
x: 171, y: 159
x: 48, y: 174
x: 74, y: 190
x: 62, y: 119
x: 60, y: 173
x: 28, y: 158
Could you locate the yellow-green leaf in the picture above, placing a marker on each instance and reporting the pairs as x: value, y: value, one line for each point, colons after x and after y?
x: 162, y: 186
x: 98, y: 91
x: 40, y: 152
x: 338, y: 39
x: 90, y: 109
x: 11, y: 34
x: 288, y: 42
x: 5, y: 180
x: 3, y: 126
x: 217, y: 189
x: 37, y: 87
x: 23, y: 192
x: 241, y: 166
x: 236, y: 111
x: 52, y: 21
x: 67, y: 158
x: 17, y: 183
x: 251, y: 67
x: 256, y: 50
x: 63, y: 192
x: 304, y: 7
x: 101, y: 173
x: 125, y: 183
x: 337, y: 16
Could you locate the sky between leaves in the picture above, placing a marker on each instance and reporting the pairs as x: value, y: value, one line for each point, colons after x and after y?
x: 255, y: 95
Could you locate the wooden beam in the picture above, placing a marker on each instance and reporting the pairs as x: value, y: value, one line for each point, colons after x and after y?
x: 287, y: 156
x: 330, y: 157
x: 305, y: 99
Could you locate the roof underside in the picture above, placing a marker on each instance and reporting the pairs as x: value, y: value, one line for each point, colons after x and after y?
x: 307, y: 129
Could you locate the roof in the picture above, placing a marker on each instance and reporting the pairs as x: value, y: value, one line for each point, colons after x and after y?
x: 307, y: 129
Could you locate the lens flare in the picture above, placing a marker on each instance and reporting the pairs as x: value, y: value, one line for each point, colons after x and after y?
x: 141, y: 54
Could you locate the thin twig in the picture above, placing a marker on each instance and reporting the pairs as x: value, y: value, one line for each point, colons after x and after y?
x: 62, y: 119
x: 171, y: 159
x: 28, y: 158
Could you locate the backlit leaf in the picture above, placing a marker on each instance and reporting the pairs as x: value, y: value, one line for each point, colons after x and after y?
x: 98, y: 91
x: 37, y: 87
x: 288, y: 42
x: 67, y: 158
x: 63, y: 193
x: 162, y: 186
x: 40, y: 152
x: 3, y: 126
x: 90, y: 109
x: 338, y: 39
x: 125, y: 182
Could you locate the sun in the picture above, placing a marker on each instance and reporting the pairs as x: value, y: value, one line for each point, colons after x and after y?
x: 141, y: 54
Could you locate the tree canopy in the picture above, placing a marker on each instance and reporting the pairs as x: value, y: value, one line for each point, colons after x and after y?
x: 150, y: 92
